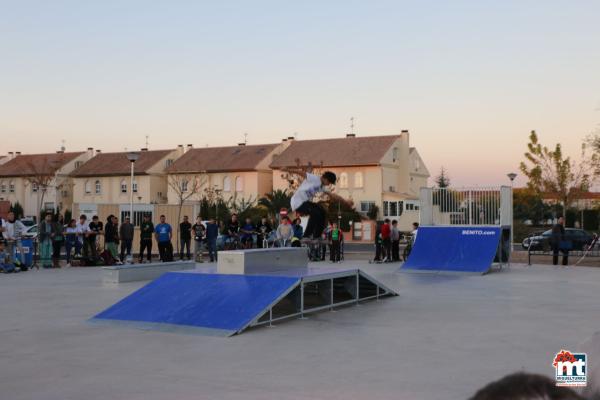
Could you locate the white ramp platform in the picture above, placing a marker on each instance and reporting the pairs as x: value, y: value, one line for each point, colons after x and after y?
x: 255, y: 261
x: 142, y: 272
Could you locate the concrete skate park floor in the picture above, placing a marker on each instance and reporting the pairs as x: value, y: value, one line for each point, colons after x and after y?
x: 443, y: 337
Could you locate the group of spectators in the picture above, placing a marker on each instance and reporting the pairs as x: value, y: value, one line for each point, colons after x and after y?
x: 388, y: 241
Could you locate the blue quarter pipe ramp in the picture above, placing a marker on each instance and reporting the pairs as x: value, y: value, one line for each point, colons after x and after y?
x: 207, y: 303
x: 453, y: 249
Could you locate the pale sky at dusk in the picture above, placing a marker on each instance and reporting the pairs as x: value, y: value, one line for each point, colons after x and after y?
x: 468, y: 79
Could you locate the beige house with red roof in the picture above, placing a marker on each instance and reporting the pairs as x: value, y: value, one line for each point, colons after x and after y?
x: 372, y: 170
x: 40, y: 181
x: 105, y: 179
x: 238, y: 172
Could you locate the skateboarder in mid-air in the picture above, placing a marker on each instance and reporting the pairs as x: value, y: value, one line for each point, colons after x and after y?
x: 302, y: 202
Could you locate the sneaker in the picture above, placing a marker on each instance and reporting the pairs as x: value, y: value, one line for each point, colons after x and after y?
x: 68, y: 265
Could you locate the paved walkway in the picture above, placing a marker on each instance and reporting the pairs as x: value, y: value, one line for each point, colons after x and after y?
x: 442, y: 338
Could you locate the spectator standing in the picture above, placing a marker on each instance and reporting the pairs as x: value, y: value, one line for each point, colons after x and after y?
x: 247, y: 230
x: 264, y: 230
x: 95, y: 230
x: 13, y: 231
x: 58, y: 240
x: 212, y: 233
x: 45, y: 236
x: 199, y: 231
x: 386, y: 232
x: 185, y: 237
x: 146, y: 231
x: 83, y: 233
x: 126, y: 232
x: 164, y: 233
x: 395, y: 238
x: 558, y: 242
x: 71, y: 241
x: 111, y: 236
x: 336, y: 240
x: 415, y: 231
x: 233, y: 229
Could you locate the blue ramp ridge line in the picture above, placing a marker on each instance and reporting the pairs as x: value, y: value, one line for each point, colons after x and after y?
x: 454, y: 249
x: 213, y: 302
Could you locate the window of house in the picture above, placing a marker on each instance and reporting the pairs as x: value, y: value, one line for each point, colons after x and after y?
x: 98, y: 186
x: 135, y: 187
x: 123, y: 186
x: 3, y: 187
x: 394, y: 208
x: 343, y: 181
x: 78, y: 164
x: 87, y: 187
x: 365, y: 206
x: 34, y: 187
x: 358, y: 180
x: 169, y: 162
x: 11, y: 187
x: 395, y: 154
x: 386, y: 206
x: 239, y: 184
x: 184, y: 186
x: 227, y: 184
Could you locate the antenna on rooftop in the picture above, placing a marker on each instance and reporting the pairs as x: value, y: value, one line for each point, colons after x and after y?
x: 295, y: 135
x: 245, y: 137
x: 63, y: 148
x: 352, y: 125
x: 147, y: 137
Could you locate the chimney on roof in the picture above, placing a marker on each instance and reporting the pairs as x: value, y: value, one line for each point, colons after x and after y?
x: 60, y: 151
x: 241, y: 144
x: 144, y: 149
x: 90, y: 152
x: 284, y: 140
x: 18, y: 153
x: 180, y: 149
x: 190, y: 146
x: 291, y: 138
x: 98, y: 151
x: 11, y: 155
x: 349, y: 135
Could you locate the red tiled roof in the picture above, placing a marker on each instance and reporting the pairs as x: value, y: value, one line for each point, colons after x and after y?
x: 36, y: 164
x: 222, y: 159
x: 116, y: 164
x: 348, y: 151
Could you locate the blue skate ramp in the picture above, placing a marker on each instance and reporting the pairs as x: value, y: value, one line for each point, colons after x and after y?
x: 208, y: 303
x: 453, y: 249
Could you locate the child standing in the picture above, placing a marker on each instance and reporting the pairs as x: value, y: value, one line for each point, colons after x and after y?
x: 336, y: 239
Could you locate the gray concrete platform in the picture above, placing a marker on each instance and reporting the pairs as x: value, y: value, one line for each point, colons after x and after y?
x: 442, y: 338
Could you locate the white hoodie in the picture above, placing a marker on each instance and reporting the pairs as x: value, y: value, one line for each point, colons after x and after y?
x: 14, y: 230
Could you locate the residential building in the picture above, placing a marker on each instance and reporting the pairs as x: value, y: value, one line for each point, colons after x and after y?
x: 105, y: 180
x: 236, y: 172
x: 382, y: 171
x: 40, y: 181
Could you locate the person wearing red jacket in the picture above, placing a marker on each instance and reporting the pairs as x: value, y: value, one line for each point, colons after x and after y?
x: 386, y: 231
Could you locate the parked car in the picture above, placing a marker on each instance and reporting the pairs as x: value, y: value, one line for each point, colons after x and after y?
x: 541, y: 242
x: 31, y: 232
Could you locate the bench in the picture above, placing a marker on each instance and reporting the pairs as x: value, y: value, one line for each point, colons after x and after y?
x: 256, y: 261
x: 142, y: 272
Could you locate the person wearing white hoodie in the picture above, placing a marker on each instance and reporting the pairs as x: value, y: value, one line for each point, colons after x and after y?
x: 12, y: 230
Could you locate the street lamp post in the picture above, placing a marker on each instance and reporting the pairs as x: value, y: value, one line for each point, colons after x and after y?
x: 512, y: 177
x: 132, y: 156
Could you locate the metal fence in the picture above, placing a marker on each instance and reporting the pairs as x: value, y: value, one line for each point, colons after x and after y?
x: 478, y: 206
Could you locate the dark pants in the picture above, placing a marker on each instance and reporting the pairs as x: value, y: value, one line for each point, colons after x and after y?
x: 316, y: 219
x: 259, y: 241
x: 211, y: 244
x: 387, y: 249
x: 89, y: 249
x: 146, y: 244
x: 335, y: 250
x: 126, y: 247
x: 71, y: 244
x: 165, y: 249
x: 56, y: 247
x: 185, y: 244
x: 395, y: 250
x: 555, y: 250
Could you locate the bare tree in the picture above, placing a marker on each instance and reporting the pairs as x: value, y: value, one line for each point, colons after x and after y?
x: 42, y: 178
x: 185, y: 187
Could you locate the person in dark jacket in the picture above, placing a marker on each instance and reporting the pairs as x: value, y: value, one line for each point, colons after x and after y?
x: 146, y: 232
x: 558, y: 242
x: 212, y: 233
x: 126, y: 238
x: 111, y: 236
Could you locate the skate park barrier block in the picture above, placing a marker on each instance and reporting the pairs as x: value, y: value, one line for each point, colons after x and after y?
x: 256, y: 261
x: 142, y: 272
